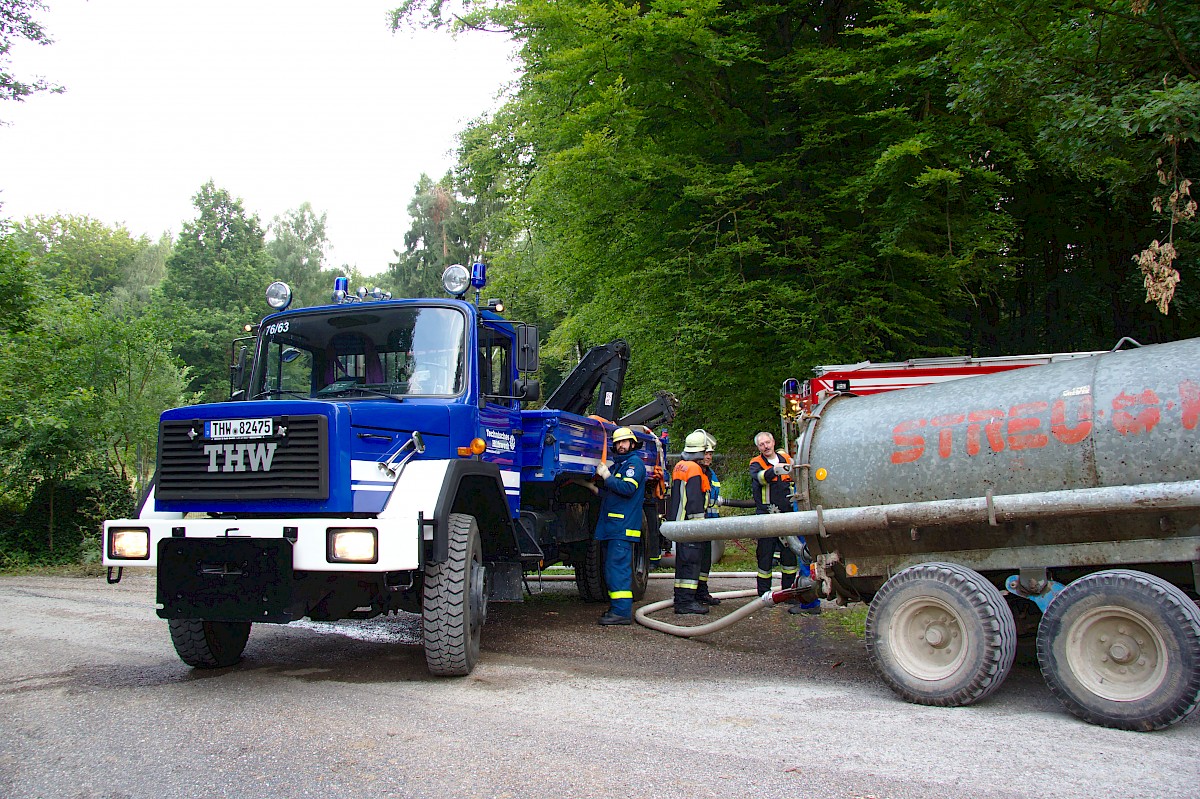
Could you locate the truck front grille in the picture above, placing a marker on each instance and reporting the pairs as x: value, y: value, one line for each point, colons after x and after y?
x: 191, y: 467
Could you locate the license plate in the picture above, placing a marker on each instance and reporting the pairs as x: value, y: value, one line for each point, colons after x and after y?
x: 225, y: 429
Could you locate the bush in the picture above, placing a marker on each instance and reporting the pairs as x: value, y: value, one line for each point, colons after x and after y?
x: 80, y: 505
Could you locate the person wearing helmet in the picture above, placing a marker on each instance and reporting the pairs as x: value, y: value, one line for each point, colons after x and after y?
x: 712, y: 501
x: 689, y: 496
x: 621, y: 495
x: 770, y: 483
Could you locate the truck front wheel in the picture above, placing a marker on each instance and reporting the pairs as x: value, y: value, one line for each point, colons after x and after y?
x: 209, y: 644
x: 454, y: 602
x: 1121, y: 648
x: 940, y: 634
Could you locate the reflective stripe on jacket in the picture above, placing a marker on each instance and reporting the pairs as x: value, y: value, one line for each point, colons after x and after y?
x: 689, y: 491
x: 767, y: 487
x: 621, y: 497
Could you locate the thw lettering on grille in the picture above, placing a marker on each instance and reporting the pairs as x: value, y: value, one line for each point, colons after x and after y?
x: 236, y: 457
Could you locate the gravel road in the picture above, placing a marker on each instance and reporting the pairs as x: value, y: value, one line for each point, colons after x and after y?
x: 94, y: 703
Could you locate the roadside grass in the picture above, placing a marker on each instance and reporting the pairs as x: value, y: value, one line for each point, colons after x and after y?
x: 53, y: 570
x: 852, y: 619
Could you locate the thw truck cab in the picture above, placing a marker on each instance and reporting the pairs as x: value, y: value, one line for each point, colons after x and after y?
x: 374, y: 457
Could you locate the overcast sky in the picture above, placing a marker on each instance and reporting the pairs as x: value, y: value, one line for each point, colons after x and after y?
x: 278, y: 101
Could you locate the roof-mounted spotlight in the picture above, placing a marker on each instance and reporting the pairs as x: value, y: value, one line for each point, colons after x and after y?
x: 456, y: 280
x: 279, y: 295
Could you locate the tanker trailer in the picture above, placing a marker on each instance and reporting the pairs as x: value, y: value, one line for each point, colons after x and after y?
x: 1061, y: 500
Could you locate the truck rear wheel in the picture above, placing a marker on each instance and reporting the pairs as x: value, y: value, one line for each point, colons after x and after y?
x: 940, y: 634
x: 590, y: 578
x: 1121, y: 648
x: 209, y: 644
x: 589, y: 572
x: 454, y: 602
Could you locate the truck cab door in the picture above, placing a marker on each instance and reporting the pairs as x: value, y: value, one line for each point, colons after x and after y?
x: 499, y: 412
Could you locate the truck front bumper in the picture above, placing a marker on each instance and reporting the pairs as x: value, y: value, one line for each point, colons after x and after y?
x: 228, y: 579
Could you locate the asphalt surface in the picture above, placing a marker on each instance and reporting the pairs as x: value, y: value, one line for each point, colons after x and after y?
x: 94, y: 703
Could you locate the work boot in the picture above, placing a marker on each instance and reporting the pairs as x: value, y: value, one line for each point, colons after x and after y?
x: 808, y: 610
x: 707, y: 599
x: 691, y: 606
x: 609, y: 618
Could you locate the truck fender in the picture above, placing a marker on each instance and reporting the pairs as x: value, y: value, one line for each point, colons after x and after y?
x: 475, y: 488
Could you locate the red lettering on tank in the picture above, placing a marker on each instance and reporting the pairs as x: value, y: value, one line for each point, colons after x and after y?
x: 915, y: 443
x: 1189, y: 399
x: 1021, y: 424
x: 1083, y: 415
x: 992, y: 430
x: 945, y: 435
x: 1141, y: 421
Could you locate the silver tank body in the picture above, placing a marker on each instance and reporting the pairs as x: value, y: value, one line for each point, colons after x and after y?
x: 1122, y: 418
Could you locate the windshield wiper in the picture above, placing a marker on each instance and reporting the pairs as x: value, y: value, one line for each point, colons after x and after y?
x: 277, y: 392
x: 364, y: 390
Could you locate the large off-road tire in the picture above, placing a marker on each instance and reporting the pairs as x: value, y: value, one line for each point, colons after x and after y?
x: 589, y: 573
x: 454, y: 602
x: 209, y: 644
x: 940, y: 634
x: 590, y: 578
x: 1121, y: 648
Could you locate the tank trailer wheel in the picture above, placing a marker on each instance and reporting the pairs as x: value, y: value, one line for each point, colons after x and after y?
x: 454, y: 602
x: 209, y: 644
x: 1121, y: 648
x: 941, y: 634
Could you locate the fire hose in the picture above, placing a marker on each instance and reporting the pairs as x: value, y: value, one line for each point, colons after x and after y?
x: 806, y: 592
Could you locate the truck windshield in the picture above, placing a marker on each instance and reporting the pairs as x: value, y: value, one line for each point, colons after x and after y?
x: 361, y: 352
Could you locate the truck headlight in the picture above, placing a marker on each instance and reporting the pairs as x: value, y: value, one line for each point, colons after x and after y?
x: 353, y: 545
x: 128, y: 543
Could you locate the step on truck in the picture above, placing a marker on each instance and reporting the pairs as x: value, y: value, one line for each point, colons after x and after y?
x: 375, y: 457
x: 1059, y: 503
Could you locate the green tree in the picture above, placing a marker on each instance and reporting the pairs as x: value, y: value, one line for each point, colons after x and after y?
x: 220, y: 258
x: 215, y: 277
x: 436, y: 239
x: 17, y: 282
x: 18, y: 23
x: 299, y: 246
x: 80, y: 392
x: 80, y: 254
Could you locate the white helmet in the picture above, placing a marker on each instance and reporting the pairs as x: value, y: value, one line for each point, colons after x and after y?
x: 697, y: 441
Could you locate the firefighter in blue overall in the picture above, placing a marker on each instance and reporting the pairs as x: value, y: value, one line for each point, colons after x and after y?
x: 689, y: 496
x: 620, y: 526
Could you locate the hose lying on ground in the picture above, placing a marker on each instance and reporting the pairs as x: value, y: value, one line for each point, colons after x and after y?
x: 768, y: 599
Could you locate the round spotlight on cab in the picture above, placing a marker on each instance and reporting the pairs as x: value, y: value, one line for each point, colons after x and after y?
x: 456, y: 280
x: 279, y: 295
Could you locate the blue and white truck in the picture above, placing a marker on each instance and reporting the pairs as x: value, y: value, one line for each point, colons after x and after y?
x: 375, y: 457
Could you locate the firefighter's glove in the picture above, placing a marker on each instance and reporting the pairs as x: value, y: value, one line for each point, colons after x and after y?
x: 602, y: 471
x: 720, y: 501
x: 780, y: 469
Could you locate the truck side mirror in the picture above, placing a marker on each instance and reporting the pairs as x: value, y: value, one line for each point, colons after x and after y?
x: 527, y: 389
x: 237, y: 375
x: 527, y: 348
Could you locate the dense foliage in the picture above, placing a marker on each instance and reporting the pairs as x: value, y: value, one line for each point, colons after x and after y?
x: 746, y: 189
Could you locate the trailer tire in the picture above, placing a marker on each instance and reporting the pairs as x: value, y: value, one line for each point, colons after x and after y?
x: 940, y: 634
x: 209, y: 644
x: 454, y: 602
x: 1121, y: 648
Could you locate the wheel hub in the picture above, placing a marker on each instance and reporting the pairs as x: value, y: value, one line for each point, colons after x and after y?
x: 927, y: 639
x: 1116, y: 654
